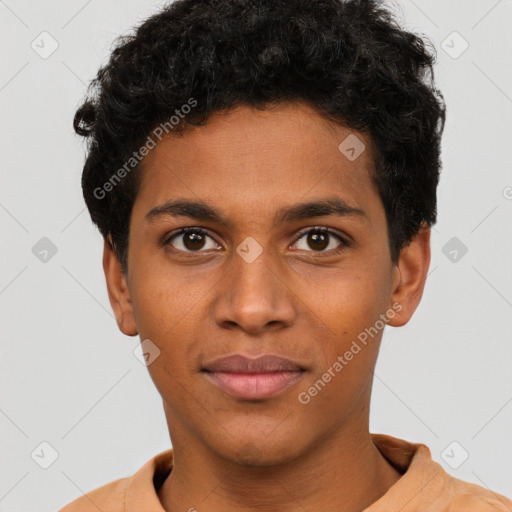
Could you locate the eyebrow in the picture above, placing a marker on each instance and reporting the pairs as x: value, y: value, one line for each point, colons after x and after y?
x: 202, y: 211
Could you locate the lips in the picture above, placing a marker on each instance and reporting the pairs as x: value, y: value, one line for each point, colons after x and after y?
x: 253, y: 378
x: 262, y: 364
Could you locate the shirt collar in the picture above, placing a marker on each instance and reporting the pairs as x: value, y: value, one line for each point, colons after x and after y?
x: 414, y: 460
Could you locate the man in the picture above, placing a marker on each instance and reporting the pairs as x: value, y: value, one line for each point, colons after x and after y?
x: 264, y: 175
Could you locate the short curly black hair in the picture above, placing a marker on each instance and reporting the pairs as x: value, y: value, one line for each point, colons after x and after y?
x: 349, y: 59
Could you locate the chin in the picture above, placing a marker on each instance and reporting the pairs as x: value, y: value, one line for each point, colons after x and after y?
x: 262, y: 452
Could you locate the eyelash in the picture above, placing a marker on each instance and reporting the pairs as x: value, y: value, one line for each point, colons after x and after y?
x: 314, y: 229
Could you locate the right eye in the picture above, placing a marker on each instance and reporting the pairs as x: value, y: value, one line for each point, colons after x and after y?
x: 190, y: 239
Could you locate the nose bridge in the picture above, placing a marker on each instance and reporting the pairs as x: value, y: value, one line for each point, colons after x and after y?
x: 253, y: 272
x: 253, y: 295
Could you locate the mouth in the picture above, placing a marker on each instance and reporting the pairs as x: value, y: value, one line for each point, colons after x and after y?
x: 253, y: 379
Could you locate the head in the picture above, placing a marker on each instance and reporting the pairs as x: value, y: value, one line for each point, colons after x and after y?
x: 254, y: 122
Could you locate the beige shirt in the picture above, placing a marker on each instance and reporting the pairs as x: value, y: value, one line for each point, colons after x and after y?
x: 424, y: 486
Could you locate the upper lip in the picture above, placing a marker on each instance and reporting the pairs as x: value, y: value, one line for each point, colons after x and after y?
x: 266, y: 363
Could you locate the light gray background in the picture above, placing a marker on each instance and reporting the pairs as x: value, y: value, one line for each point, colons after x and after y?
x: 69, y: 377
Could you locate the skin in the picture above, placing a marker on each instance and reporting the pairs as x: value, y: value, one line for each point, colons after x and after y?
x: 295, y: 300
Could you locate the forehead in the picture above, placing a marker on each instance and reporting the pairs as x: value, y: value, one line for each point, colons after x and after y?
x: 253, y: 160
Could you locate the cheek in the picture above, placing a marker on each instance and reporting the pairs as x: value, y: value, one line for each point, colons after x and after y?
x: 347, y: 303
x: 170, y: 320
x: 346, y: 300
x: 175, y: 369
x: 165, y: 296
x: 345, y: 369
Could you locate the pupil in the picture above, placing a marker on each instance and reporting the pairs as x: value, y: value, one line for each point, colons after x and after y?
x: 316, y: 238
x: 194, y: 240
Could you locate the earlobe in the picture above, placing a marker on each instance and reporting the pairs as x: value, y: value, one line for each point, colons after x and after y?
x: 409, y: 277
x: 118, y: 291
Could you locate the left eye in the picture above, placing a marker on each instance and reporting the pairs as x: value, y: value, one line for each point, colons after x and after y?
x: 320, y: 238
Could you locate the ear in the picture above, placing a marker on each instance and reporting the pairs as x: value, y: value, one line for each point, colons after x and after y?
x: 118, y: 292
x: 409, y: 277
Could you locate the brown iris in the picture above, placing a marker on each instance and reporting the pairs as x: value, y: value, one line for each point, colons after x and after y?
x: 320, y: 240
x: 193, y: 240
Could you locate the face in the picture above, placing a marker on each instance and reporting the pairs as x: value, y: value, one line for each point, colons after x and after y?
x: 285, y: 256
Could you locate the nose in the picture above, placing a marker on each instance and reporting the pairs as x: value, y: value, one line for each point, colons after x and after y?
x: 254, y: 296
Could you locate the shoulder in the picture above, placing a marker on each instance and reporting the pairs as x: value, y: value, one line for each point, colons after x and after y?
x: 468, y: 497
x: 137, y: 493
x: 426, y: 486
x: 107, y: 498
x: 457, y: 495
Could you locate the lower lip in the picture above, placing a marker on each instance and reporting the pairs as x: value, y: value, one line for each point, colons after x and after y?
x: 254, y: 386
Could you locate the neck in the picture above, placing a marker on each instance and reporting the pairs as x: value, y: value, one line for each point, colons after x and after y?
x: 345, y: 472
